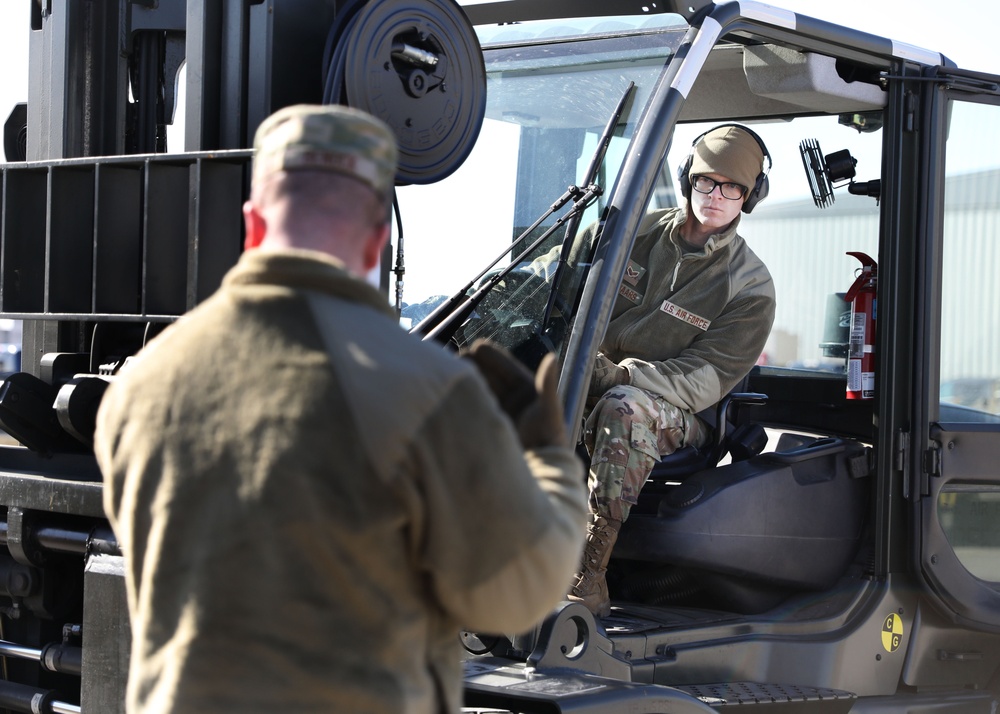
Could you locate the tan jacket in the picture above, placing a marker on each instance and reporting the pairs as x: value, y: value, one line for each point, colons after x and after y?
x: 312, y: 503
x: 689, y: 325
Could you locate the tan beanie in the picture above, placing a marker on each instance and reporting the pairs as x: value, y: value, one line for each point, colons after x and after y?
x: 731, y: 152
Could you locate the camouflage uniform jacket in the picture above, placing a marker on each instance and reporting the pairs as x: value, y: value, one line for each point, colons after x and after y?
x: 689, y: 325
x: 311, y: 503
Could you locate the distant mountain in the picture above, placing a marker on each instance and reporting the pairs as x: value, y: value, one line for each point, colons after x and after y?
x: 418, y: 311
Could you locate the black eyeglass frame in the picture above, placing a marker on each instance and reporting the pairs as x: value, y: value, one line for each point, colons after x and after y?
x: 695, y: 178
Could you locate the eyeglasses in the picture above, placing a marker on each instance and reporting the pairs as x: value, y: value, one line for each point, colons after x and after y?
x: 730, y: 190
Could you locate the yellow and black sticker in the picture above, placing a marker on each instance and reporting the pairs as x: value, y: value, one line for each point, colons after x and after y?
x: 892, y: 632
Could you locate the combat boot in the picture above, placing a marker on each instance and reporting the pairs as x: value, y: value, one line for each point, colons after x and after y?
x: 591, y: 585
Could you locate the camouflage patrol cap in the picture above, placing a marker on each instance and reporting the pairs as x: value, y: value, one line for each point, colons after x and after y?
x: 327, y: 138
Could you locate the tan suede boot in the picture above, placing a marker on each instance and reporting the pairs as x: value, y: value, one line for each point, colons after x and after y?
x: 591, y: 586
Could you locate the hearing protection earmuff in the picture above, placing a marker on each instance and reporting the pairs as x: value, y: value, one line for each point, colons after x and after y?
x: 756, y: 194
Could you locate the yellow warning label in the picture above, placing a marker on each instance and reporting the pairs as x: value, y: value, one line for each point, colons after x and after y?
x: 892, y: 632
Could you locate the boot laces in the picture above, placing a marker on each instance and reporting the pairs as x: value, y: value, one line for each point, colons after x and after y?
x: 597, y: 541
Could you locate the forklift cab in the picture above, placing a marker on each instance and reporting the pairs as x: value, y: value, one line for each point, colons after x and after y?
x: 852, y: 562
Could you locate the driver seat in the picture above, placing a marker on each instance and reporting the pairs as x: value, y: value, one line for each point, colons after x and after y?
x: 741, y: 442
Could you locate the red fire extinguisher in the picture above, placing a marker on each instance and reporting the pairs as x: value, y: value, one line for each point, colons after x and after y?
x: 861, y: 355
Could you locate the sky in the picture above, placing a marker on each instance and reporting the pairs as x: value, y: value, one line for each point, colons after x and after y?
x: 963, y: 30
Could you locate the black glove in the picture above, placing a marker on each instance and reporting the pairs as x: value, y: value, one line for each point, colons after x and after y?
x: 532, y: 402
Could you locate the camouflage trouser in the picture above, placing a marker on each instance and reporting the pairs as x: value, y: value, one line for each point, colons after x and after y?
x: 628, y: 430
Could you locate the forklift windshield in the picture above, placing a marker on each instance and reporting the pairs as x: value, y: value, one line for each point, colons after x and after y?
x: 559, y: 116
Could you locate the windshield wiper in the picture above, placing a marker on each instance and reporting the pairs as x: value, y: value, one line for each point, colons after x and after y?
x: 589, y: 178
x: 466, y: 304
x: 442, y: 323
x: 436, y: 315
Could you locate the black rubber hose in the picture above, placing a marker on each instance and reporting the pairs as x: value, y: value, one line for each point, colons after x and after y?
x: 334, y: 52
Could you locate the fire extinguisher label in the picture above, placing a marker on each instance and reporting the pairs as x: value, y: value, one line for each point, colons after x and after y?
x: 854, y: 375
x: 857, y: 344
x: 859, y: 382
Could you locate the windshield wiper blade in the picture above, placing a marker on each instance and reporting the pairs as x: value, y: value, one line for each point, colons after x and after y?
x: 436, y: 315
x: 590, y: 177
x: 446, y: 318
x: 602, y: 145
x: 448, y: 325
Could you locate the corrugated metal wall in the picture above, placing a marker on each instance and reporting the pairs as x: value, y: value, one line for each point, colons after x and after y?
x: 805, y: 249
x: 971, y: 310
